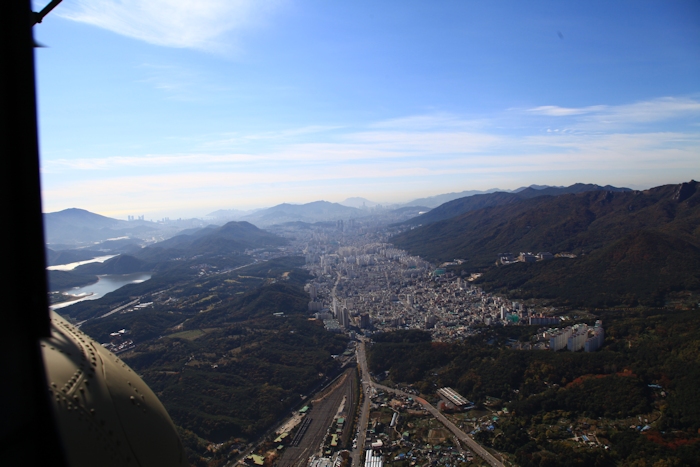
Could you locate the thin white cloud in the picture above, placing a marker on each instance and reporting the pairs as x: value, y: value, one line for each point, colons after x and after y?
x: 351, y: 159
x: 429, y: 122
x: 655, y: 110
x: 377, y: 145
x: 556, y: 111
x: 196, y: 24
x: 320, y: 159
x: 612, y: 154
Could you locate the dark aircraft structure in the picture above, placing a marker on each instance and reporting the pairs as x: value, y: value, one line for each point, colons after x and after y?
x: 64, y: 399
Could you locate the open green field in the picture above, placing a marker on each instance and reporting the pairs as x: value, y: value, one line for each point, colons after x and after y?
x: 189, y: 335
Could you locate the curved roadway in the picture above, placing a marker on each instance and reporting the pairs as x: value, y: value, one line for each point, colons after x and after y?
x: 462, y: 436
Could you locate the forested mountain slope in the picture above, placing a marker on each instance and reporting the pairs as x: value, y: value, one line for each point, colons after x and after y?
x: 471, y: 203
x: 629, y: 245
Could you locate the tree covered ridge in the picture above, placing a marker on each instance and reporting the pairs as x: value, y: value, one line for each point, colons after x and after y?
x: 642, y: 268
x: 571, y: 222
x: 245, y: 369
x: 633, y: 247
x: 228, y: 352
x: 546, y: 392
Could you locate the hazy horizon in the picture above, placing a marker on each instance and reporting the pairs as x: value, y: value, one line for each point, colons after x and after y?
x: 174, y: 109
x: 383, y: 203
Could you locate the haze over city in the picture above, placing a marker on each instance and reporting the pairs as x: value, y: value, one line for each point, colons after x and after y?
x: 174, y: 108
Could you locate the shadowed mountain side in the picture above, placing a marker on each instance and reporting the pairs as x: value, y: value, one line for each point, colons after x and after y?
x: 64, y: 280
x: 471, y: 203
x: 573, y: 223
x: 638, y: 269
x: 463, y: 205
x: 122, y: 264
x: 77, y: 218
x: 435, y: 201
x: 72, y: 226
x: 237, y: 368
x: 233, y: 237
x: 184, y: 239
x: 256, y: 304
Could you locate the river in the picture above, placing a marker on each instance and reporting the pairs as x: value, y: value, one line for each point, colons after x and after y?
x: 105, y: 284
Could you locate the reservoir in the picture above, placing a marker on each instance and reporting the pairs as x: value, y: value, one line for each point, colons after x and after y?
x: 106, y: 284
x: 71, y: 266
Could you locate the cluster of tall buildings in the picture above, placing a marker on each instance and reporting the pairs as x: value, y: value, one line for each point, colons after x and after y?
x: 577, y: 337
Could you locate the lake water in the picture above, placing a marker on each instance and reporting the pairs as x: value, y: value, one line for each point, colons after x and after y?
x: 106, y: 284
x: 71, y: 266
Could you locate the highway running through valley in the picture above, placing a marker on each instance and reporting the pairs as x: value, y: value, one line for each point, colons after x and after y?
x: 363, y: 418
x: 462, y: 436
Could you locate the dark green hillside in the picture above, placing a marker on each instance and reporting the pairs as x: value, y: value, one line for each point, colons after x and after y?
x: 212, y: 347
x: 257, y: 303
x: 186, y: 237
x: 472, y: 203
x: 641, y: 268
x: 633, y: 247
x: 574, y: 223
x: 235, y: 369
x: 64, y: 280
x: 553, y: 396
x: 232, y: 238
x: 463, y: 205
x: 169, y: 275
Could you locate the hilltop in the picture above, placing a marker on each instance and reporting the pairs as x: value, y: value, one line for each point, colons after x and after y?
x: 212, y: 243
x: 77, y: 227
x: 437, y: 200
x: 478, y: 200
x: 227, y: 352
x: 232, y: 238
x: 629, y: 245
x: 317, y: 211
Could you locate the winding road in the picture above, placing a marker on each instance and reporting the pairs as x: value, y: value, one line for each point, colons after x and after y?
x: 462, y: 436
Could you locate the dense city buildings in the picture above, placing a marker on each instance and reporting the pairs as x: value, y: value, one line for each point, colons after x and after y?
x: 362, y: 282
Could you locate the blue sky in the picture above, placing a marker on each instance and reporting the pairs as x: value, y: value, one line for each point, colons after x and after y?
x: 177, y: 108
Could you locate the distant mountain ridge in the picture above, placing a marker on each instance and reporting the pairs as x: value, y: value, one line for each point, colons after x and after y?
x: 75, y: 227
x: 317, y: 211
x: 596, y: 225
x: 470, y: 203
x: 359, y: 203
x: 226, y: 215
x: 437, y: 200
x: 211, y: 242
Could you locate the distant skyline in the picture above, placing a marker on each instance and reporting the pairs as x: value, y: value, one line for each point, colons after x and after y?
x: 171, y: 108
